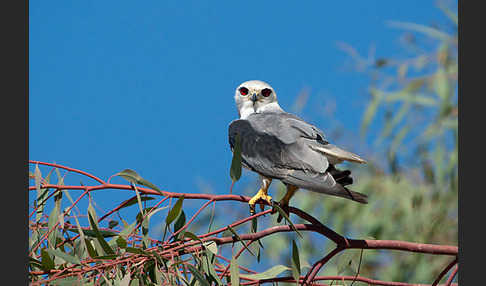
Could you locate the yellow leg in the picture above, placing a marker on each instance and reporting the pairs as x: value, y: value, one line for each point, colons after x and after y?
x: 288, y: 195
x: 284, y: 202
x: 262, y: 194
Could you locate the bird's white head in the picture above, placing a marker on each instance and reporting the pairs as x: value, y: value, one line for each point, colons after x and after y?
x: 255, y: 96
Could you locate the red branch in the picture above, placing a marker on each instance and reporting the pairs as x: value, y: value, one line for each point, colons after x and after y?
x: 182, y: 246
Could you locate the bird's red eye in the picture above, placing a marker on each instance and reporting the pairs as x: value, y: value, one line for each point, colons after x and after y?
x: 243, y: 90
x: 266, y: 92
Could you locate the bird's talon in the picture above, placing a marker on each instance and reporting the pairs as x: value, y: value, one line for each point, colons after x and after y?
x: 261, y: 195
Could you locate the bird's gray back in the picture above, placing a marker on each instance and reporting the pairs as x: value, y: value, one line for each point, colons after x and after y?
x: 274, y: 144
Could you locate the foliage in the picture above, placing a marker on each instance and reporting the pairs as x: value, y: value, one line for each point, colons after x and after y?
x: 412, y: 188
x: 99, y: 251
x: 412, y: 177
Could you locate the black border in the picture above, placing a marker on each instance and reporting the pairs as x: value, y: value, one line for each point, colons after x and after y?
x: 15, y: 197
x: 471, y: 143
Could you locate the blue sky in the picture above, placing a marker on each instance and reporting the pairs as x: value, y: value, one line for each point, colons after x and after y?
x: 149, y: 85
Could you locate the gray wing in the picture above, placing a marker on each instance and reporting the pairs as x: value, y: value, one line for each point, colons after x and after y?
x: 267, y: 155
x: 277, y: 145
x: 290, y: 129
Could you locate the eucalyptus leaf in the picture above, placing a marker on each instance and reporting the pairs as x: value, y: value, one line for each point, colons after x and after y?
x: 134, y: 178
x: 47, y: 262
x: 211, y: 246
x: 191, y: 235
x: 52, y: 226
x: 429, y: 31
x: 239, y: 239
x: 198, y: 275
x: 66, y: 257
x: 269, y: 273
x: 371, y: 110
x: 296, y: 270
x: 121, y: 242
x: 89, y: 247
x: 100, y: 238
x: 348, y: 261
x: 235, y: 170
x: 92, y: 233
x: 133, y: 200
x: 284, y: 214
x: 180, y: 222
x: 234, y: 272
x: 127, y: 230
x: 175, y: 211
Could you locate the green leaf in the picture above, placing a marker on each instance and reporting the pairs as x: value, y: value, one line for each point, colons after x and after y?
x: 227, y: 232
x: 429, y: 31
x: 442, y: 84
x: 239, y: 239
x: 254, y: 225
x: 296, y: 270
x: 92, y: 233
x: 391, y: 124
x: 234, y: 272
x: 208, y: 263
x: 35, y: 263
x: 180, y: 222
x: 255, y: 248
x: 121, y: 242
x: 397, y: 141
x: 66, y: 257
x: 41, y: 203
x: 158, y: 276
x: 175, y: 211
x: 37, y: 178
x: 141, y: 214
x: 47, y: 262
x: 135, y: 250
x: 348, y: 260
x: 67, y: 281
x: 139, y: 199
x: 282, y: 213
x: 133, y: 200
x: 135, y: 178
x: 41, y: 193
x: 235, y: 170
x: 211, y: 246
x: 127, y: 230
x: 89, y: 247
x: 191, y: 235
x: 51, y: 225
x: 198, y: 275
x: 125, y: 280
x: 211, y: 219
x: 92, y: 211
x: 100, y: 238
x: 269, y: 273
x: 371, y: 110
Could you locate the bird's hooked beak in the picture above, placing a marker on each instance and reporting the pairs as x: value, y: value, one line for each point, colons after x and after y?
x: 254, y: 98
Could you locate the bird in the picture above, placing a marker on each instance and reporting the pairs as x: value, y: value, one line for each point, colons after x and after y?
x: 278, y: 145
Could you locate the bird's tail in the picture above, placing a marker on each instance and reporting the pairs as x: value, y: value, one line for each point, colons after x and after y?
x: 341, y: 177
x: 328, y: 183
